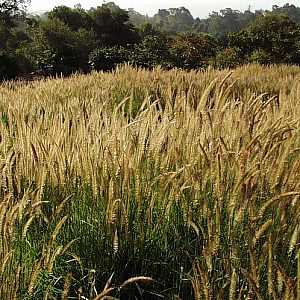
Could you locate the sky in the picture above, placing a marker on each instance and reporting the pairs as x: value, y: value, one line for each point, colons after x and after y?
x: 198, y: 8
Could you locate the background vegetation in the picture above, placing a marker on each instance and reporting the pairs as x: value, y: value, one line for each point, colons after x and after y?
x: 68, y: 40
x: 189, y: 179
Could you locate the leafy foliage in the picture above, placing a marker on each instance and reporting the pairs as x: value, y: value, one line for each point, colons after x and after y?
x: 226, y: 21
x: 151, y: 52
x: 274, y: 34
x: 112, y: 26
x: 173, y: 19
x: 260, y: 56
x: 192, y: 51
x: 106, y: 59
x: 67, y: 49
x: 10, y: 9
x: 227, y: 58
x: 74, y: 18
x: 8, y: 66
x: 67, y: 40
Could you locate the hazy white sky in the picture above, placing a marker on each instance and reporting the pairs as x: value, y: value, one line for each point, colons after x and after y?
x: 197, y: 7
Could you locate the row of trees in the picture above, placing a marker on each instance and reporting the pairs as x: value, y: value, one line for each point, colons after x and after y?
x: 218, y: 24
x: 67, y: 39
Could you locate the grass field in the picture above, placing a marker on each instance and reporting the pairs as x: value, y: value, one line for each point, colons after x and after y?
x: 151, y: 185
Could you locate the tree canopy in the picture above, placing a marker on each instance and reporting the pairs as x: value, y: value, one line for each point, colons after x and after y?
x: 72, y: 39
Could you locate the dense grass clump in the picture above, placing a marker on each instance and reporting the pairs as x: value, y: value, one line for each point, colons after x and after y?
x: 151, y: 184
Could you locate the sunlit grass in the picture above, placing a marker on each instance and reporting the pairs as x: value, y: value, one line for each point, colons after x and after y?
x: 190, y: 180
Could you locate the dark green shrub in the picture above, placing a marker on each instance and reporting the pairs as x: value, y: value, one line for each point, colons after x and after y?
x: 192, y: 51
x: 271, y: 38
x: 260, y: 56
x: 106, y: 59
x: 227, y: 58
x: 151, y: 52
x: 8, y: 66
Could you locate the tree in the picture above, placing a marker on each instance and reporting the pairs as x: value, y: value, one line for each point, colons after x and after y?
x: 136, y: 18
x: 227, y: 58
x: 291, y: 10
x: 38, y: 51
x: 225, y: 21
x: 173, y: 19
x: 56, y: 48
x: 106, y: 59
x: 278, y: 35
x: 10, y: 11
x: 273, y: 36
x: 11, y: 36
x: 150, y: 52
x: 112, y: 26
x: 192, y: 51
x: 75, y: 18
x: 148, y: 29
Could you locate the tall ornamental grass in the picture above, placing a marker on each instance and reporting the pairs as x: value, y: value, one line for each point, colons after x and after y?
x: 151, y: 184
